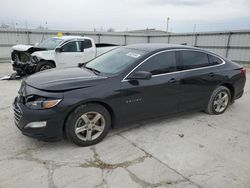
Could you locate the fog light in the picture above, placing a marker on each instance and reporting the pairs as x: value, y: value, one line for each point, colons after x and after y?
x: 36, y: 124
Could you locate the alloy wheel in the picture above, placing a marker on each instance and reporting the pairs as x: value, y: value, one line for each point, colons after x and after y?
x: 221, y: 101
x: 89, y: 126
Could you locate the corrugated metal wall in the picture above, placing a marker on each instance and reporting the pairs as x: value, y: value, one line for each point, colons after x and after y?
x: 234, y: 45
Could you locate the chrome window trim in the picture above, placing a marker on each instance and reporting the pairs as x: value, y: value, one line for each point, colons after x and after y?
x: 195, y: 50
x: 68, y: 41
x: 65, y: 42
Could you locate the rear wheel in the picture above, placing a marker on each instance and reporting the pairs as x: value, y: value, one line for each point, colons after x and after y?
x: 88, y: 124
x: 44, y: 65
x: 219, y: 100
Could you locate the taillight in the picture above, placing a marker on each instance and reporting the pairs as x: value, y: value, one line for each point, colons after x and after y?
x: 243, y: 71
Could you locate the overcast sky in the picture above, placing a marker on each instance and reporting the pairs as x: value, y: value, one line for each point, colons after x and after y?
x: 128, y: 14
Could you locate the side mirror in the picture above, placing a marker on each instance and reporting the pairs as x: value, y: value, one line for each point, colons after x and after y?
x: 140, y: 75
x: 58, y: 50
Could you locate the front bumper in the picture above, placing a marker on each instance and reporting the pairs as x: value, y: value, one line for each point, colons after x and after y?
x: 24, y: 68
x: 24, y: 116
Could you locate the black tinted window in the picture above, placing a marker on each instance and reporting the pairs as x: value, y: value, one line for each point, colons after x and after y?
x: 162, y: 63
x: 214, y: 60
x: 71, y: 47
x: 192, y: 59
x: 87, y: 43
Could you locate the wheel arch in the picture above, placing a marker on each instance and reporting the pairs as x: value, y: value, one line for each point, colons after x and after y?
x: 231, y: 89
x: 105, y: 105
x: 108, y: 107
x: 51, y: 61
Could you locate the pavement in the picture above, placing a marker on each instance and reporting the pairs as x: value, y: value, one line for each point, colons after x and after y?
x: 191, y: 150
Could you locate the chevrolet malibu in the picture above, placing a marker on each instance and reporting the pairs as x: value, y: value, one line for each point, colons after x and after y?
x: 125, y: 85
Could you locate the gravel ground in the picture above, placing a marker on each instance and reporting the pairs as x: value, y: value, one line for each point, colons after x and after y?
x: 192, y: 150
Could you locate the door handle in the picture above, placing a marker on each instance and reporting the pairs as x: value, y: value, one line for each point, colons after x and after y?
x: 173, y: 80
x: 211, y: 74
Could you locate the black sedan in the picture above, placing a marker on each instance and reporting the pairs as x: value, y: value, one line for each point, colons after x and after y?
x: 125, y: 85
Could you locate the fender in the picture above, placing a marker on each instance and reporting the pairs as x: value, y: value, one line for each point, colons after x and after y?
x: 45, y: 55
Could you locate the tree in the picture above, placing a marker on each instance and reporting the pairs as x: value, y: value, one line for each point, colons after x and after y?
x: 111, y: 30
x: 5, y: 26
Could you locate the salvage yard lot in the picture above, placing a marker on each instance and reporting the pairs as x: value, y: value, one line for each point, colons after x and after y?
x: 191, y: 150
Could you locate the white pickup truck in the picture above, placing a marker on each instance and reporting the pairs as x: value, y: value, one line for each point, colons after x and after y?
x: 64, y: 51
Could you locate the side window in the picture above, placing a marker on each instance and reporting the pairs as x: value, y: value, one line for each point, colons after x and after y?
x: 193, y: 59
x: 214, y: 60
x: 87, y: 43
x: 161, y: 63
x: 71, y: 47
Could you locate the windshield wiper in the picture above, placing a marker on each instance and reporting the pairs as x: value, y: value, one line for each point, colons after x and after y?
x: 81, y: 64
x: 97, y: 72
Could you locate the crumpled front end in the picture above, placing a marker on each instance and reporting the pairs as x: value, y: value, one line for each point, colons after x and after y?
x: 43, y: 124
x: 22, y: 64
x: 22, y: 61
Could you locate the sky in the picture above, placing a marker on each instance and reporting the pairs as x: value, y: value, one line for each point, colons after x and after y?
x: 122, y: 15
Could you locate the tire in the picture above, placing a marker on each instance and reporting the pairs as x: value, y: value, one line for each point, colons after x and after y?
x: 219, y: 101
x: 44, y: 65
x: 78, y: 129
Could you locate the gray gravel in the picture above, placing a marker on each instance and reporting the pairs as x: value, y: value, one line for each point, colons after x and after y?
x: 212, y: 151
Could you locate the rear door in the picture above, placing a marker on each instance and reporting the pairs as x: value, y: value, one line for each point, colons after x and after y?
x: 88, y: 49
x: 198, y: 79
x: 154, y: 97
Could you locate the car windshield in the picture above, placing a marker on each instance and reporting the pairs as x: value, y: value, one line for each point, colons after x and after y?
x: 115, y: 61
x: 50, y: 43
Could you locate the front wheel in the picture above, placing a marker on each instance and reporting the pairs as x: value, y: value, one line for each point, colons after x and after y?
x: 219, y: 101
x: 44, y: 65
x: 88, y: 124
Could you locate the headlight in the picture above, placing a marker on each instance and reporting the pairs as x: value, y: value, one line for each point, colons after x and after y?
x: 34, y: 59
x: 35, y: 102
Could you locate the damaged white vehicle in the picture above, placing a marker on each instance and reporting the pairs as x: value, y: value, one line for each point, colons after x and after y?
x: 65, y: 51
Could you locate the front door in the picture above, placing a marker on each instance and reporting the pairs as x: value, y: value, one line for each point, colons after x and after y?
x: 157, y: 96
x: 70, y: 55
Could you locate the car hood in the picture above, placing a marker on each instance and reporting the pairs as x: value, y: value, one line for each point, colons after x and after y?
x: 21, y: 47
x: 58, y: 80
x: 26, y: 48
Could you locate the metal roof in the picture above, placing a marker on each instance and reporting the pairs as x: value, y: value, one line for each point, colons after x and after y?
x: 146, y: 31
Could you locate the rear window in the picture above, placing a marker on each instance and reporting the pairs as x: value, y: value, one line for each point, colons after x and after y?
x: 214, y: 60
x: 194, y: 59
x: 87, y: 43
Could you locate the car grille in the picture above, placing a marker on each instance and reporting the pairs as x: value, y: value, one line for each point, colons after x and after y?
x: 17, y: 113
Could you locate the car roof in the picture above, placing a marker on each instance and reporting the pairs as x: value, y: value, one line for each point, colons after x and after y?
x: 71, y: 37
x: 151, y: 47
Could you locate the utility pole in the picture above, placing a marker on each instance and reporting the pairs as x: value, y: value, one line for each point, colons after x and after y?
x: 194, y: 28
x: 167, y: 22
x: 26, y: 25
x: 28, y: 36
